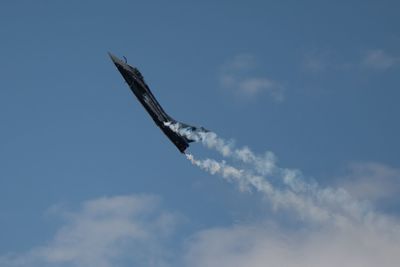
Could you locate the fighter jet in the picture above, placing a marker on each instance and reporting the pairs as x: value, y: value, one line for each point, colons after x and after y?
x: 141, y: 90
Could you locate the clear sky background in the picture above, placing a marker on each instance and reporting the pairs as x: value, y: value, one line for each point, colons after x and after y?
x: 86, y: 179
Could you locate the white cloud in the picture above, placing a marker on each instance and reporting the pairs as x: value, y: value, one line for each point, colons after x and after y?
x: 319, y: 61
x: 314, y: 65
x: 236, y: 75
x: 240, y: 62
x: 103, y: 232
x: 267, y: 245
x: 253, y: 86
x: 373, y: 181
x: 316, y: 61
x: 133, y: 230
x: 379, y: 59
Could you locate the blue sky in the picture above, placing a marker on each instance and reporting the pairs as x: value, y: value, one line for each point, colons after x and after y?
x: 315, y: 83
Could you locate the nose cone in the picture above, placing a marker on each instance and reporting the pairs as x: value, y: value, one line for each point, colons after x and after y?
x: 123, y: 68
x: 115, y: 59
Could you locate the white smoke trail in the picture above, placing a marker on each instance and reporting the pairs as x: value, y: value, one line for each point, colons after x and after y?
x: 310, y: 206
x: 308, y: 199
x: 264, y: 165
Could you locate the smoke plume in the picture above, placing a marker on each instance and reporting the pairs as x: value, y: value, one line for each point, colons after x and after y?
x: 285, y: 188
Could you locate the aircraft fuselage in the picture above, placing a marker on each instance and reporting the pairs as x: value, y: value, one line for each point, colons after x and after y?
x: 142, y: 92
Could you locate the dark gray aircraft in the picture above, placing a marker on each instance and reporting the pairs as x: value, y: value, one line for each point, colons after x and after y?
x: 139, y: 87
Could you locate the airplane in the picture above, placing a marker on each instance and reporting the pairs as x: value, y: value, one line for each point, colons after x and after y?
x: 141, y: 90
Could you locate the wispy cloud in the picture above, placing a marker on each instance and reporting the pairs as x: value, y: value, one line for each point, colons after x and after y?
x: 270, y: 245
x: 240, y: 62
x: 379, y: 59
x: 374, y: 181
x: 133, y: 230
x: 254, y: 86
x: 102, y: 232
x: 316, y: 61
x: 314, y: 65
x: 319, y: 61
x: 236, y: 75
